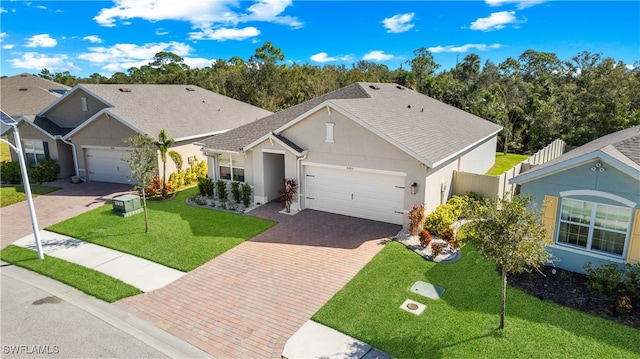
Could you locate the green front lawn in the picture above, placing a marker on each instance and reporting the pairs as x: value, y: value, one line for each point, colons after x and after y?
x: 85, y: 279
x: 462, y: 324
x: 505, y: 163
x: 10, y: 194
x: 180, y: 236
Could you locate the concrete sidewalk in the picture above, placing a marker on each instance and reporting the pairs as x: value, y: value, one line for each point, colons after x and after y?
x: 140, y: 273
x: 314, y: 340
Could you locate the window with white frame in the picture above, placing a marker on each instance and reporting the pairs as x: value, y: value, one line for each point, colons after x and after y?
x: 231, y: 167
x: 35, y: 151
x: 593, y: 226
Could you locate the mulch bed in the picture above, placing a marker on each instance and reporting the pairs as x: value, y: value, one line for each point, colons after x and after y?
x: 570, y: 289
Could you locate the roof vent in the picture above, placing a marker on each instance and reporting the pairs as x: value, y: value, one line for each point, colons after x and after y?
x: 23, y: 89
x: 374, y: 87
x: 399, y: 87
x: 23, y: 75
x: 190, y: 89
x: 124, y: 89
x: 409, y: 106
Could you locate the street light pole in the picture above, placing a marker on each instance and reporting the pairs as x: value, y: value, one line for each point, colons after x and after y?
x: 27, y: 187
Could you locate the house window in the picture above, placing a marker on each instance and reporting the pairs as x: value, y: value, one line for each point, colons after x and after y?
x: 594, y: 226
x: 231, y: 167
x: 35, y: 151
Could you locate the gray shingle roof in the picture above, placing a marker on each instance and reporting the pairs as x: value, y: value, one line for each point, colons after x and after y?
x: 623, y: 145
x: 429, y: 128
x: 27, y: 94
x: 182, y: 110
x: 237, y: 138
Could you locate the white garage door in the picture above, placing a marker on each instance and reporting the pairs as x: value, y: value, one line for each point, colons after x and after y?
x: 375, y: 196
x: 105, y: 165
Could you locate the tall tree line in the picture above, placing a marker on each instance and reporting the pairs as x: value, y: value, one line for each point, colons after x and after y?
x: 536, y: 97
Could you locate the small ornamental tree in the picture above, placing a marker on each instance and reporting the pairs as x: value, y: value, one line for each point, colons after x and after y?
x: 143, y: 164
x: 288, y: 192
x: 509, y: 233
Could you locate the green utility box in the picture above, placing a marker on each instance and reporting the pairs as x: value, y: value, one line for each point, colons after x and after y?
x: 127, y: 205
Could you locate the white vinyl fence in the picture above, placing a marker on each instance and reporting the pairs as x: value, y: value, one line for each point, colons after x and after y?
x: 496, y: 186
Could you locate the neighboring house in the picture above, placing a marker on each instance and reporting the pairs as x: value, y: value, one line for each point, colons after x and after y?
x: 84, y: 129
x: 26, y: 95
x: 368, y: 150
x: 590, y: 198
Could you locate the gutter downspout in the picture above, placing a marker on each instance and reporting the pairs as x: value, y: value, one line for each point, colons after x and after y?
x: 298, y: 173
x: 75, y: 157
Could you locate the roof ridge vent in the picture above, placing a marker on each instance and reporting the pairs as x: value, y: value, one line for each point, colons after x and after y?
x: 23, y: 89
x: 190, y: 89
x: 124, y: 89
x: 374, y: 87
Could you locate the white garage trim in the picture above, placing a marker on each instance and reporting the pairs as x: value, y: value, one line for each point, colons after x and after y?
x: 363, y: 193
x: 105, y: 164
x: 355, y: 169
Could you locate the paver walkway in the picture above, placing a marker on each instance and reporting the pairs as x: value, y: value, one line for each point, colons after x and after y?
x: 70, y: 201
x: 249, y: 301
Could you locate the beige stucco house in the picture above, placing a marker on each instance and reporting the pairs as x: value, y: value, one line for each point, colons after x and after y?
x: 84, y: 129
x: 369, y: 150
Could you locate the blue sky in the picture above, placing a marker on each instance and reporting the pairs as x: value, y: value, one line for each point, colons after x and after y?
x: 86, y: 37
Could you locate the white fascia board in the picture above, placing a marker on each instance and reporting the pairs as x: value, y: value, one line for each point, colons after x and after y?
x: 95, y: 117
x: 211, y: 152
x: 534, y: 174
x: 270, y: 136
x: 208, y: 134
x: 333, y: 106
x: 436, y: 164
x: 67, y: 94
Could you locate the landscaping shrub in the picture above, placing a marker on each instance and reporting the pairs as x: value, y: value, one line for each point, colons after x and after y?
x: 245, y: 194
x: 447, y: 234
x: 436, y: 249
x: 10, y: 172
x: 154, y: 189
x: 288, y: 192
x: 624, y: 305
x: 416, y: 219
x: 604, y: 279
x: 442, y: 218
x: 177, y: 159
x: 631, y: 281
x: 190, y: 177
x: 45, y: 171
x: 235, y: 191
x: 199, y: 168
x: 425, y: 238
x: 221, y: 189
x: 205, y: 186
x: 177, y: 179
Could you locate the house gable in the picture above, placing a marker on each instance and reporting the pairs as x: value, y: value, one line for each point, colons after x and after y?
x: 73, y: 109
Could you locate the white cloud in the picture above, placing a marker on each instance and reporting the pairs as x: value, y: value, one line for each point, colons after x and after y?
x: 3, y: 35
x: 630, y: 67
x: 2, y: 10
x: 495, y: 21
x: 212, y: 18
x: 224, y: 34
x: 41, y: 7
x: 8, y: 46
x: 198, y: 62
x: 161, y: 32
x: 520, y: 4
x: 36, y: 61
x: 42, y: 40
x: 399, y: 23
x: 322, y: 57
x: 121, y: 57
x: 377, y: 55
x: 463, y: 48
x: 93, y: 39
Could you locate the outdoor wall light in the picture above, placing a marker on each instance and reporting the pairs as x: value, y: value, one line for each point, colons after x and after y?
x: 414, y: 188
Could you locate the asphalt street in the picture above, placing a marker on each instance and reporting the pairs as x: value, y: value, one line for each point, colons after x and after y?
x: 42, y: 318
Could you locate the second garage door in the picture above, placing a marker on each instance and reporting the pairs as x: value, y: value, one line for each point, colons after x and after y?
x: 363, y: 194
x: 106, y: 165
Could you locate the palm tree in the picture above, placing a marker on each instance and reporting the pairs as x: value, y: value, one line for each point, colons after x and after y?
x: 163, y: 144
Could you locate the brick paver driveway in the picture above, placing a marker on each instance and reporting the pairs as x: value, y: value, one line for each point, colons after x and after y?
x: 248, y: 301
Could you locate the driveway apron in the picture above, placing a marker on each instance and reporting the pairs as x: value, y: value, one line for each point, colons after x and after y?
x: 70, y: 201
x: 247, y: 302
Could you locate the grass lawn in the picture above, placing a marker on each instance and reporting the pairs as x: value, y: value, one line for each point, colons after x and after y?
x: 180, y: 236
x: 85, y: 279
x: 462, y: 324
x: 505, y: 162
x: 10, y: 194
